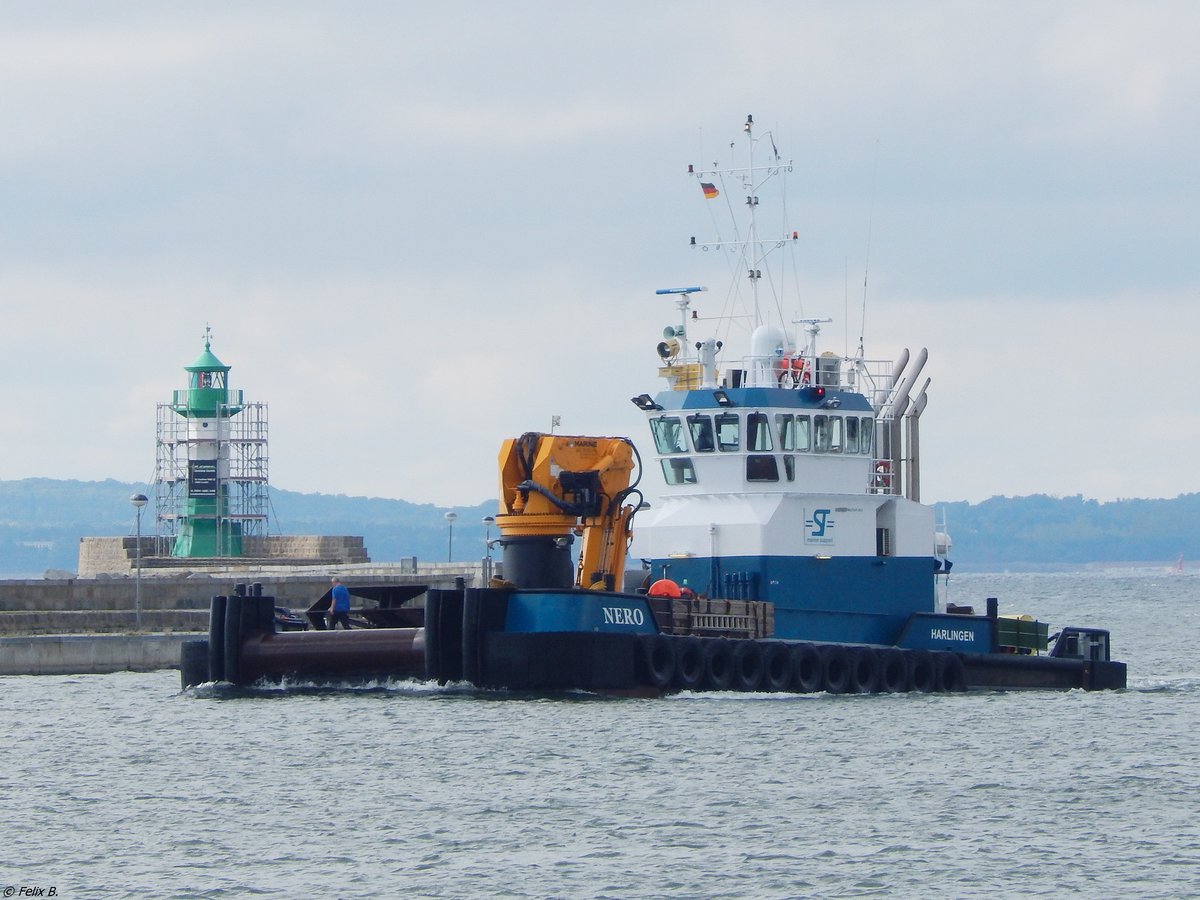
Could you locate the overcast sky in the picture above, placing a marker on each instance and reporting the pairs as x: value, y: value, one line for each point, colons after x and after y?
x: 417, y: 229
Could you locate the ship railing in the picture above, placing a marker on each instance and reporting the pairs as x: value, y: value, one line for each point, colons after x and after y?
x: 871, y: 377
x: 181, y: 399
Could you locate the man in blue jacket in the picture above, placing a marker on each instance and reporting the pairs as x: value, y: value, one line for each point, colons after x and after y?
x: 339, y: 605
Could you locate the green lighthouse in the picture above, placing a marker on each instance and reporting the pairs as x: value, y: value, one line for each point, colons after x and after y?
x: 207, y: 526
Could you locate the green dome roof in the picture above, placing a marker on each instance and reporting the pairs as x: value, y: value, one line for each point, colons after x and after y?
x: 207, y: 361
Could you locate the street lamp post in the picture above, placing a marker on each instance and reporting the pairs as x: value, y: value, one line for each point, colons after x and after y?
x: 138, y: 501
x: 488, y: 522
x: 450, y: 517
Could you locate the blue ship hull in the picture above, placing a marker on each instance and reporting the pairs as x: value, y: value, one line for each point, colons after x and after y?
x: 618, y: 642
x: 609, y: 642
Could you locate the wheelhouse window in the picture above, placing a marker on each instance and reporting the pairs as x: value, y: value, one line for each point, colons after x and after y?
x: 828, y: 434
x: 728, y: 432
x: 761, y: 468
x: 785, y: 427
x: 678, y: 471
x: 866, y: 436
x: 701, y: 428
x: 789, y: 466
x: 837, y: 439
x: 803, y: 433
x: 851, y: 434
x: 758, y: 432
x: 821, y: 436
x: 668, y: 434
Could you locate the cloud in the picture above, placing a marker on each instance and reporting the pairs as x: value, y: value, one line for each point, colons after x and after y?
x: 418, y: 231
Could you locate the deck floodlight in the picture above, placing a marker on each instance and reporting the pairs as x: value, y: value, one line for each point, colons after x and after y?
x: 645, y: 402
x: 722, y: 398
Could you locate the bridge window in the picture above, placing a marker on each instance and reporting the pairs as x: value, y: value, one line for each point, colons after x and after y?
x: 821, y: 435
x: 701, y: 428
x: 827, y: 434
x: 866, y: 436
x: 789, y: 466
x: 803, y: 433
x: 758, y: 432
x: 762, y: 468
x: 678, y: 471
x: 851, y: 434
x: 785, y: 427
x: 728, y: 432
x: 668, y: 434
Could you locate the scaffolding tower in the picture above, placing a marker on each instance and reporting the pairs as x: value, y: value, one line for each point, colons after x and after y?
x: 245, y: 486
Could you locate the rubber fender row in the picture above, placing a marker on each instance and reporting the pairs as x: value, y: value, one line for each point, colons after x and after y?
x: 688, y: 663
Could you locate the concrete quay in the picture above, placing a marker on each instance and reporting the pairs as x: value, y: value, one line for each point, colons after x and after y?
x: 91, y: 654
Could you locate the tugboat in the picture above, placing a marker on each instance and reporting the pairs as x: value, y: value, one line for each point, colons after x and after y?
x: 789, y: 549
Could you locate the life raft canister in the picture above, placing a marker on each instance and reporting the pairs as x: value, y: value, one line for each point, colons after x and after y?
x: 664, y: 587
x: 794, y: 368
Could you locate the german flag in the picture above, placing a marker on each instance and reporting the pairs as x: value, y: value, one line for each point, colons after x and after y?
x: 710, y: 190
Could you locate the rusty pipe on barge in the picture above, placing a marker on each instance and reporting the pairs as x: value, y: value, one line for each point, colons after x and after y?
x: 367, y: 652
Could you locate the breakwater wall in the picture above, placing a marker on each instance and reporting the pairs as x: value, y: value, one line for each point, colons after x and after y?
x: 109, y: 605
x: 120, y: 555
x: 180, y: 602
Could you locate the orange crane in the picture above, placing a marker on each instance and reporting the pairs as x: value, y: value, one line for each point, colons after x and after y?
x: 554, y: 486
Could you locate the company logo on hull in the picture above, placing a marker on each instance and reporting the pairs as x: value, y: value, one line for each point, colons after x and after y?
x: 818, y: 527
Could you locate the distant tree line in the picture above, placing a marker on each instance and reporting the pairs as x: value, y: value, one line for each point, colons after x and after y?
x: 42, y: 521
x: 1050, y: 531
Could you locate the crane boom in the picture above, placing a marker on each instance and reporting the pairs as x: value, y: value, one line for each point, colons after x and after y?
x: 555, y: 486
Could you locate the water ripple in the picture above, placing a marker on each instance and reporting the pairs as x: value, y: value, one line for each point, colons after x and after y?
x: 123, y: 786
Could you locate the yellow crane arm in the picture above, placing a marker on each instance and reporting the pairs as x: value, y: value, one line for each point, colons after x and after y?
x: 557, y: 485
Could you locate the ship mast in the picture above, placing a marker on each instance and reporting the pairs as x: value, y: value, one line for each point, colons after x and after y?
x: 751, y: 248
x: 755, y: 273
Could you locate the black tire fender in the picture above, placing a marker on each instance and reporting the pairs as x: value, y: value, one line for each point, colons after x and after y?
x: 689, y: 663
x: 862, y: 670
x: 777, y: 667
x: 718, y: 664
x: 806, y: 668
x: 747, y: 665
x: 951, y: 674
x: 656, y: 658
x: 893, y: 671
x: 835, y: 669
x: 922, y: 671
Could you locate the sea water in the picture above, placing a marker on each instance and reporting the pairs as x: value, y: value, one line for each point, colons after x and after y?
x: 124, y: 786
